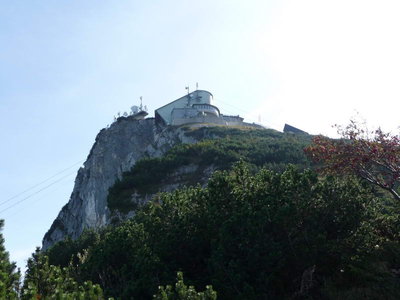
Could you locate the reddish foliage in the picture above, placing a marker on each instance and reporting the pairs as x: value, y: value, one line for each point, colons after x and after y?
x: 374, y: 156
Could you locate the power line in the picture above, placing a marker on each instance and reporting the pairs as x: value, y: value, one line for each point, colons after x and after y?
x: 12, y: 214
x: 40, y: 183
x: 37, y: 192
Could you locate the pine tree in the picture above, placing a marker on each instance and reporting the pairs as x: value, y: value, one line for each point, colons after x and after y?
x: 183, y: 292
x: 45, y: 281
x: 9, y: 276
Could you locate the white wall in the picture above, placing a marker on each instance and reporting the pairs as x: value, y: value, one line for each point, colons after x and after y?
x: 196, y: 97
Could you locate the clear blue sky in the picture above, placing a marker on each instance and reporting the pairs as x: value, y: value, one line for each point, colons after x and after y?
x: 67, y: 67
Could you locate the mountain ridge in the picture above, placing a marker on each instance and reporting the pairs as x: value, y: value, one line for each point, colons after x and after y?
x: 116, y: 151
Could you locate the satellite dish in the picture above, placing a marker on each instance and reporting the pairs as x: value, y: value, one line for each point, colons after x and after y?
x: 135, y: 109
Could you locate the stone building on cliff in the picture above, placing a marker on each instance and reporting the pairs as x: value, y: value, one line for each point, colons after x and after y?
x: 195, y: 107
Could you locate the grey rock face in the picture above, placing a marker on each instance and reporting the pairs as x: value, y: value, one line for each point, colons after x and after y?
x: 115, y: 151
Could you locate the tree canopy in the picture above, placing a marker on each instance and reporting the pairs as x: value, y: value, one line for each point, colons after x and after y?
x: 374, y: 156
x: 251, y: 236
x: 250, y: 233
x: 9, y: 275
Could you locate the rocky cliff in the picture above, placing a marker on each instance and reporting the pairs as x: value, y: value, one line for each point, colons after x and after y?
x: 115, y: 151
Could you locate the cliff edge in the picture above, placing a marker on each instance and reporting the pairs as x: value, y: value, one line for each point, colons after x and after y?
x: 115, y: 151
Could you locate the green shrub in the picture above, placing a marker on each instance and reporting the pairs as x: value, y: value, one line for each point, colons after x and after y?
x: 220, y: 148
x: 182, y: 292
x: 253, y: 236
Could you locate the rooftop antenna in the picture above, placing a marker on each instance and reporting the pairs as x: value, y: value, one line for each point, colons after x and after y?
x: 141, y: 105
x: 188, y: 96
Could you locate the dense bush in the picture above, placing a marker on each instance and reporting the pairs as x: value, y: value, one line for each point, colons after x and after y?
x: 45, y: 281
x: 263, y: 236
x: 182, y: 292
x: 219, y: 147
x: 9, y: 276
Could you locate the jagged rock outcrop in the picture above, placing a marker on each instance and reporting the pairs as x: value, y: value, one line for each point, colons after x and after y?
x: 115, y: 151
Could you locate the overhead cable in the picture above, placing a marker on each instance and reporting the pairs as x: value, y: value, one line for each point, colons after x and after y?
x: 26, y: 204
x: 37, y: 192
x: 40, y: 183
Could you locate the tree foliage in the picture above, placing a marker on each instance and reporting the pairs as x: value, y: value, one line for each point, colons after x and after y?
x: 252, y: 236
x: 218, y: 148
x: 9, y: 276
x: 182, y: 292
x: 374, y: 156
x: 45, y: 281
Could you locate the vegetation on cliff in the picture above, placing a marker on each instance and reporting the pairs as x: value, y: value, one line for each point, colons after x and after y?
x: 267, y: 235
x: 260, y: 229
x: 373, y: 156
x: 9, y: 275
x: 219, y: 148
